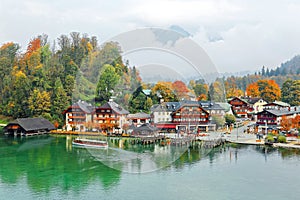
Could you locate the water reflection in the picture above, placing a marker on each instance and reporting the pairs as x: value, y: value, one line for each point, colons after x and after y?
x: 45, y: 164
x: 49, y: 162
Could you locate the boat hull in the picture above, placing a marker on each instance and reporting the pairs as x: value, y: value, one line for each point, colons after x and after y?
x: 90, y: 144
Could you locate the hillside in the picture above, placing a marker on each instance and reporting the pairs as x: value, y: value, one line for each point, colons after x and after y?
x: 291, y: 67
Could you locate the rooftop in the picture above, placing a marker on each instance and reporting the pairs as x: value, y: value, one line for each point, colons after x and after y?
x: 115, y: 107
x: 32, y: 124
x: 140, y: 115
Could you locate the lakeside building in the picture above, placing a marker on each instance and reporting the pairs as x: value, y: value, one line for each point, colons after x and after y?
x: 138, y: 119
x: 185, y: 116
x: 78, y: 115
x: 226, y: 106
x: 271, y: 119
x: 110, y: 117
x: 213, y: 108
x: 28, y: 126
x: 239, y: 107
x: 256, y: 104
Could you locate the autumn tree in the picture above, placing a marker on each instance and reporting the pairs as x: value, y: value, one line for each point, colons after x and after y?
x: 231, y: 88
x: 269, y: 90
x: 180, y: 89
x: 217, y: 91
x: 164, y: 90
x: 296, y: 122
x: 39, y: 103
x: 286, y: 123
x: 18, y: 104
x: 200, y: 90
x: 252, y: 90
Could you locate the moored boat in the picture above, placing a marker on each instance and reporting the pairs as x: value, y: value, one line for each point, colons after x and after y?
x: 89, y: 143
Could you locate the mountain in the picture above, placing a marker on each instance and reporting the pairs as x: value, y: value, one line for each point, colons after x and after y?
x: 180, y: 30
x: 291, y: 67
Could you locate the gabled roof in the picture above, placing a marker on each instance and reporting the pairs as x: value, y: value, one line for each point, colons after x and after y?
x: 145, y: 128
x: 115, y: 107
x: 283, y: 112
x: 140, y: 115
x: 225, y: 106
x: 87, y: 108
x: 84, y: 106
x: 32, y: 124
x: 253, y: 100
x: 238, y: 99
x: 209, y: 105
x: 278, y: 103
x: 189, y: 103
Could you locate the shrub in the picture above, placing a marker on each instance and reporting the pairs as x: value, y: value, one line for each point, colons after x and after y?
x: 270, y: 138
x: 282, y: 139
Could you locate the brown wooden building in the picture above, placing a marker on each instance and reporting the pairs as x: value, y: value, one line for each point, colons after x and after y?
x: 239, y: 107
x: 78, y: 115
x: 110, y: 117
x: 28, y: 126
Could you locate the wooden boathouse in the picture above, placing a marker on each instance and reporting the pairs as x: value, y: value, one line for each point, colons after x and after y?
x: 28, y: 127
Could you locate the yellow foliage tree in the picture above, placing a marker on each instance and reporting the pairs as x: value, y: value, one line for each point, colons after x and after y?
x: 39, y: 102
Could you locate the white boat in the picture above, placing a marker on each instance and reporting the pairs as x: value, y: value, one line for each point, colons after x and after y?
x: 89, y: 143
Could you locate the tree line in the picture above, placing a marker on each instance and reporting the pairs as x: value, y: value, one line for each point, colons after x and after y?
x: 45, y: 79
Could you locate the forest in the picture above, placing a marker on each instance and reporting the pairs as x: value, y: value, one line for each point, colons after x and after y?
x: 45, y: 79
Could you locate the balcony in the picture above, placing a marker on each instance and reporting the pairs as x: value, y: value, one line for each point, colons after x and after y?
x: 77, y: 117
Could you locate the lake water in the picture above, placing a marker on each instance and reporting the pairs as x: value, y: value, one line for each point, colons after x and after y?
x: 48, y: 167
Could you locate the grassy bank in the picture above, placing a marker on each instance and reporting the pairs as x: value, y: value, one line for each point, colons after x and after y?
x: 5, y: 119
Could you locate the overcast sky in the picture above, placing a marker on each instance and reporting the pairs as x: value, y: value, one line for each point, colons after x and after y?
x: 237, y: 35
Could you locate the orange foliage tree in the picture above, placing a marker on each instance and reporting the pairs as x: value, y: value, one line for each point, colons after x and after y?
x: 296, y: 122
x: 286, y: 123
x: 252, y: 90
x: 165, y: 89
x: 231, y: 88
x: 33, y: 45
x: 202, y: 97
x: 180, y: 89
x: 269, y: 90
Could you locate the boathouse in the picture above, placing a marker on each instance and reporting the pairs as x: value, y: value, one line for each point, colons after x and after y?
x: 28, y: 126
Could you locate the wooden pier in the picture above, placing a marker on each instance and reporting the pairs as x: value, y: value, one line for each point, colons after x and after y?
x: 188, y: 141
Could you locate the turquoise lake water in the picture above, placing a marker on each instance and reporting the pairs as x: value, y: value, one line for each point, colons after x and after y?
x: 48, y: 167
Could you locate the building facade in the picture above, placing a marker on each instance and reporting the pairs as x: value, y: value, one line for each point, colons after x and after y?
x: 138, y: 119
x: 271, y: 119
x: 239, y: 107
x: 110, y: 117
x: 185, y: 116
x: 78, y: 115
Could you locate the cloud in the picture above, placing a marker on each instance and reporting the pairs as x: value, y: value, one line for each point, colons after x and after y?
x: 236, y: 34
